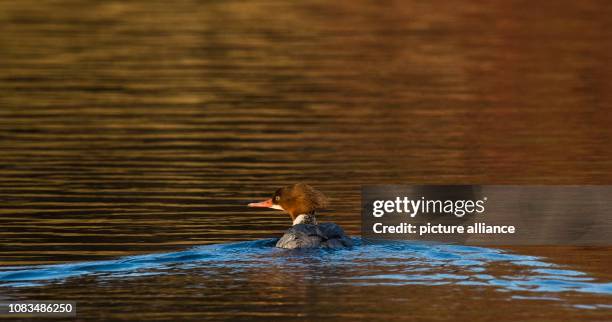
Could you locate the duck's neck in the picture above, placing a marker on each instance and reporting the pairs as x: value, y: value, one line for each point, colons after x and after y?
x: 308, y: 219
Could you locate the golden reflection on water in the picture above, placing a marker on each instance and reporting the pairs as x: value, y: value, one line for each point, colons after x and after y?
x: 147, y: 126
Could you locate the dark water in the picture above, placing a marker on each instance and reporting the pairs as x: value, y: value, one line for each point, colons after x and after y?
x: 145, y: 127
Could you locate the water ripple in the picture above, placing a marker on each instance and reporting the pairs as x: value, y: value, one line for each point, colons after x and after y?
x: 367, y: 264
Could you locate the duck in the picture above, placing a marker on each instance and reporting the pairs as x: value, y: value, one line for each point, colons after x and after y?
x: 301, y: 202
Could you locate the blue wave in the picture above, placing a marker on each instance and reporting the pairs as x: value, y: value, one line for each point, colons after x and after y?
x: 366, y: 264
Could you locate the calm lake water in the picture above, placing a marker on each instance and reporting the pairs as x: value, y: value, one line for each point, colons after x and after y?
x: 132, y: 135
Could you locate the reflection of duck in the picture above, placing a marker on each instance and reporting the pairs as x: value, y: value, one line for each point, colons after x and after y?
x: 301, y: 201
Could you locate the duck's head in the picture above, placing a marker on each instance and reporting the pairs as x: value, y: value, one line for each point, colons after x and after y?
x: 297, y: 199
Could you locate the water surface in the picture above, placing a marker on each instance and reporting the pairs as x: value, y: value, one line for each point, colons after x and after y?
x: 263, y: 281
x: 141, y: 128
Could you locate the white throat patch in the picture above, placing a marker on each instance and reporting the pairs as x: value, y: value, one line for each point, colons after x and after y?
x: 299, y: 219
x: 302, y: 218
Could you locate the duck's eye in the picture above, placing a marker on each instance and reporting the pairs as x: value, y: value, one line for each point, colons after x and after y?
x: 277, y: 198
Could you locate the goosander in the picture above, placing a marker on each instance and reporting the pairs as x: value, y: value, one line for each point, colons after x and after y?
x: 301, y: 201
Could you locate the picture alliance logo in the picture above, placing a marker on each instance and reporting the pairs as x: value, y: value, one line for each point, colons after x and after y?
x: 414, y: 207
